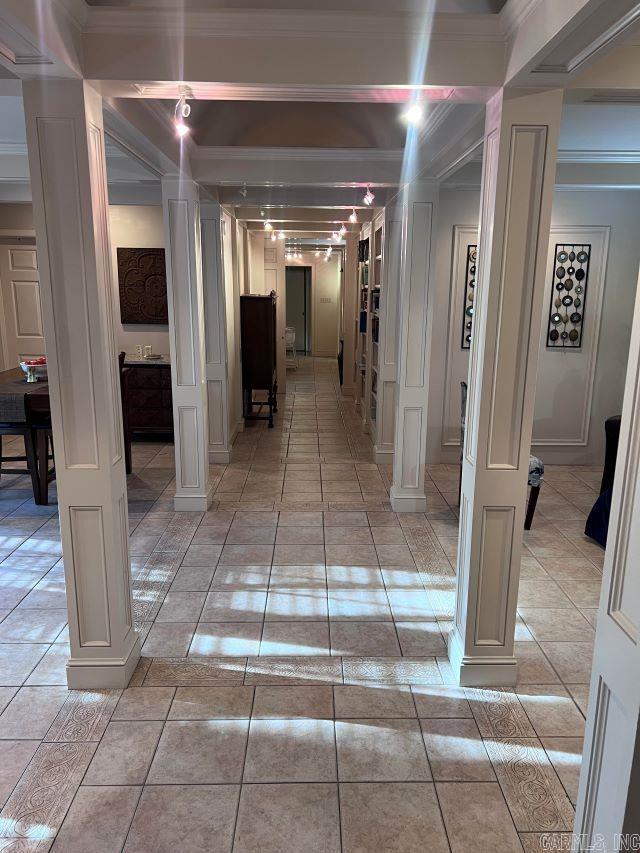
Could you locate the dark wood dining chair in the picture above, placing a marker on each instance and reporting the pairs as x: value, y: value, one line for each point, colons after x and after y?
x: 29, y: 455
x: 126, y: 430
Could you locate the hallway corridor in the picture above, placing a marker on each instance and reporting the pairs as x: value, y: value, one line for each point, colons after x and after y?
x: 294, y: 694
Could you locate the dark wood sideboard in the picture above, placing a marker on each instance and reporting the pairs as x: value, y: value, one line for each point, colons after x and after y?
x: 258, y: 354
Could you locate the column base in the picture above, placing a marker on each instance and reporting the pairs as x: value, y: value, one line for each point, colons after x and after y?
x: 219, y: 457
x: 478, y: 670
x: 383, y: 457
x: 407, y: 503
x: 192, y: 503
x: 85, y: 674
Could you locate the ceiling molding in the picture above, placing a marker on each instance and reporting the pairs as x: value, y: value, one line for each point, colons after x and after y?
x: 13, y: 148
x: 603, y: 41
x: 210, y: 153
x: 284, y: 23
x: 514, y: 13
x: 600, y: 156
x: 295, y: 92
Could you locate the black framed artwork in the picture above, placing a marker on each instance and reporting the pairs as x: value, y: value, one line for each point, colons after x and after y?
x: 142, y: 285
x: 570, y: 279
x: 469, y: 294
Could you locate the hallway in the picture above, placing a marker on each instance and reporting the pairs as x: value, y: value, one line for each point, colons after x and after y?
x: 294, y: 691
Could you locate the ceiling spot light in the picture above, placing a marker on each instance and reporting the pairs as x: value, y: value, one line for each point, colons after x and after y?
x: 267, y: 225
x: 368, y: 197
x: 343, y: 229
x: 335, y: 236
x: 243, y: 191
x: 273, y: 237
x: 181, y: 112
x: 414, y: 115
x: 354, y: 216
x: 281, y: 235
x: 329, y: 250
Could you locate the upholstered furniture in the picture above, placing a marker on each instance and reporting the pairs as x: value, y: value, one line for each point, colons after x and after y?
x: 536, y: 465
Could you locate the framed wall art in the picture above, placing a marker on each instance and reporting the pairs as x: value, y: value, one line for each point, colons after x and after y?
x: 142, y: 285
x: 568, y: 295
x: 469, y: 295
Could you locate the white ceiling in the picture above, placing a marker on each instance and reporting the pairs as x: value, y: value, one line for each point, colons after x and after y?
x: 392, y: 6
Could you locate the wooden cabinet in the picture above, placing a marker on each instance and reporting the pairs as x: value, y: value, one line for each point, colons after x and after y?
x: 149, y: 403
x: 258, y: 354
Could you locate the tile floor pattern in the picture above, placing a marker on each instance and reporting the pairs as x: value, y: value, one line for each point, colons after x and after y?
x: 294, y: 692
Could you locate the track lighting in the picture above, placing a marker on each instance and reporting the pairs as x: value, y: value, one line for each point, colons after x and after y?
x: 317, y: 253
x: 243, y: 191
x: 335, y: 236
x: 181, y: 112
x: 343, y: 229
x: 267, y: 225
x: 281, y: 235
x: 273, y: 237
x: 414, y: 115
x: 354, y: 216
x: 368, y: 197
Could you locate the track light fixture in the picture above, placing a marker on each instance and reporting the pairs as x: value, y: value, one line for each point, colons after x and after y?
x: 368, y: 197
x: 281, y: 235
x: 354, y: 216
x: 243, y: 191
x: 343, y: 229
x: 182, y: 111
x: 267, y: 225
x: 273, y: 237
x: 414, y: 115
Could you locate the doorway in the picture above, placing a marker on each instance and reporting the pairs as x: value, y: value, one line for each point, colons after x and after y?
x: 20, y: 311
x: 298, y: 303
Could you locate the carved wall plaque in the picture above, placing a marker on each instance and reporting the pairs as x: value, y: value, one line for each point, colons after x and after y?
x: 142, y: 283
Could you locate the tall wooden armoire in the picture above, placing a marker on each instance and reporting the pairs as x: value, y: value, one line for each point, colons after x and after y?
x: 258, y: 354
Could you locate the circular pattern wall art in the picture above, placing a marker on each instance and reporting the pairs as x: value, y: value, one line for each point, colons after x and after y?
x: 568, y: 295
x: 469, y: 295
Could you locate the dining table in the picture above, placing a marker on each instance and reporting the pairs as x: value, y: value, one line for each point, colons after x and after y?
x: 25, y: 410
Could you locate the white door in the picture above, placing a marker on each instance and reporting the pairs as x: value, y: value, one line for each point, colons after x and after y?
x: 21, y: 320
x: 614, y: 697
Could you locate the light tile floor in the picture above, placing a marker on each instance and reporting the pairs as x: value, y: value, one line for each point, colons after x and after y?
x: 294, y: 694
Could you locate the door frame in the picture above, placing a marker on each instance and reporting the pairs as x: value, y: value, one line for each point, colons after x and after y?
x: 308, y: 301
x: 8, y: 237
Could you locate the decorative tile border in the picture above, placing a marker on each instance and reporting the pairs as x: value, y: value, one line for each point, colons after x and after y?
x: 499, y: 713
x: 84, y: 716
x: 36, y: 808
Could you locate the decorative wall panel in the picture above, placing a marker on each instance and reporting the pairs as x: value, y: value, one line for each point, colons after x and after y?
x: 569, y: 295
x: 142, y: 282
x: 469, y: 295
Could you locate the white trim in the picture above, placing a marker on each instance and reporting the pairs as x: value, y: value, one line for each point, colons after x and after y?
x: 278, y: 23
x: 514, y: 13
x: 478, y: 671
x: 223, y: 152
x: 569, y: 155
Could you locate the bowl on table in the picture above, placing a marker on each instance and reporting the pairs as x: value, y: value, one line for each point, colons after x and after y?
x: 39, y: 367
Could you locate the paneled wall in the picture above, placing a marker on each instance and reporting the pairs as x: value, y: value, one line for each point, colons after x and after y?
x: 136, y: 227
x: 576, y: 390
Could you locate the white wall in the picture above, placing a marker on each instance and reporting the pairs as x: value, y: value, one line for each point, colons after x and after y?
x: 136, y: 226
x: 567, y: 390
x: 325, y: 302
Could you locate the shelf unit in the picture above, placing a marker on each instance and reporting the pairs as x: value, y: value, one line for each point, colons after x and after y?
x: 362, y: 322
x: 370, y: 407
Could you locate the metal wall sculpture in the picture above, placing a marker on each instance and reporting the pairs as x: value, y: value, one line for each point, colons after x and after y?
x: 469, y: 294
x: 568, y: 295
x: 142, y: 282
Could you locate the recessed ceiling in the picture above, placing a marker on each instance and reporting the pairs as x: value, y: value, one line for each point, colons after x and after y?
x: 296, y: 124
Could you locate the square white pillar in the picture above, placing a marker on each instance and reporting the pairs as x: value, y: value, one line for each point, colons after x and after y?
x: 215, y: 334
x: 515, y: 212
x: 180, y: 201
x: 420, y: 204
x: 65, y: 141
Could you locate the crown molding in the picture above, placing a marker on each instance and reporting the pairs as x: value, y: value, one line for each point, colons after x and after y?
x: 514, y: 13
x: 231, y: 23
x: 568, y: 155
x: 221, y: 152
x: 13, y: 148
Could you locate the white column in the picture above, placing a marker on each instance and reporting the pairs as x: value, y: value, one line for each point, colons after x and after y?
x: 414, y: 324
x: 215, y: 333
x: 517, y: 193
x: 350, y: 313
x: 186, y: 342
x: 388, y: 339
x: 275, y: 279
x: 65, y: 141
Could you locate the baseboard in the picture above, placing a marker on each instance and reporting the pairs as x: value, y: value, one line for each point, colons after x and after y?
x: 219, y: 457
x: 85, y: 674
x: 192, y: 503
x: 407, y: 503
x: 480, y: 671
x: 383, y: 457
